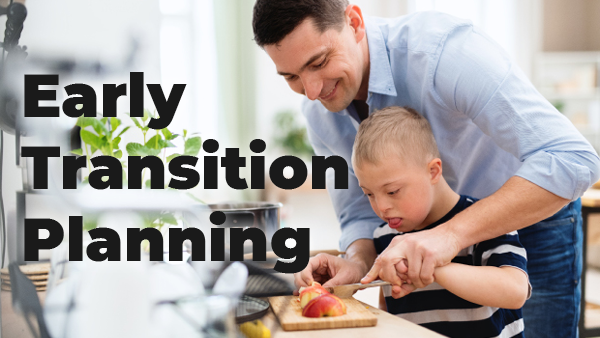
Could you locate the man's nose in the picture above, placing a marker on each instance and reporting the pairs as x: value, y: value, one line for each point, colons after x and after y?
x: 312, y: 87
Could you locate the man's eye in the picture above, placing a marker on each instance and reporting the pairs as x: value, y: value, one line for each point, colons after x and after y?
x: 322, y: 64
x: 290, y: 77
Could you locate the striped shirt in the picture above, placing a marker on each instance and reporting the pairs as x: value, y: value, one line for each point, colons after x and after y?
x: 439, y: 310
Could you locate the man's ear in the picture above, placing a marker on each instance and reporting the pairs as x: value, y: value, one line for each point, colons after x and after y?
x: 435, y: 170
x: 355, y: 19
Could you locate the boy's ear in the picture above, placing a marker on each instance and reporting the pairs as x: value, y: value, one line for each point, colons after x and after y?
x: 435, y: 170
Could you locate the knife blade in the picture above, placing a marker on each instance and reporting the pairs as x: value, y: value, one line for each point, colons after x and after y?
x: 347, y: 290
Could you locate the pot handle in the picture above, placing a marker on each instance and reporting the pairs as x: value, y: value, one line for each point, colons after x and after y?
x: 238, y: 219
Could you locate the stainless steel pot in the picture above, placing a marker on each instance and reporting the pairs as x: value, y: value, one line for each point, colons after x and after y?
x: 262, y: 215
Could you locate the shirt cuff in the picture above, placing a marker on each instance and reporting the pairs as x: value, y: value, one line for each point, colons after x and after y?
x: 566, y: 179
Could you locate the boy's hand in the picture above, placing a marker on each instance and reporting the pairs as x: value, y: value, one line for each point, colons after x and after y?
x: 401, y: 291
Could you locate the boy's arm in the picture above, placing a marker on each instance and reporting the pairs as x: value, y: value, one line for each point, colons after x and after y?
x: 504, y: 287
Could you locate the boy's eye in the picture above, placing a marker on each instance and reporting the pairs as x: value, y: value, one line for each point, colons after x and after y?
x: 393, y: 192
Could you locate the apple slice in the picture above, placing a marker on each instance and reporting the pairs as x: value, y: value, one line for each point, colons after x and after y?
x: 325, y: 305
x: 308, y: 293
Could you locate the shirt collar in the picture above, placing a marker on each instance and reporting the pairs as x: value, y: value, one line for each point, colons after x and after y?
x: 380, y: 71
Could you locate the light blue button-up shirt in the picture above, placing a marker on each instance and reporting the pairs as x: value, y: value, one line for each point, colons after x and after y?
x: 489, y: 121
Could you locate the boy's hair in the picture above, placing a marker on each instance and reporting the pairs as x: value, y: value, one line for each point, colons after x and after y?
x: 394, y: 131
x: 273, y: 20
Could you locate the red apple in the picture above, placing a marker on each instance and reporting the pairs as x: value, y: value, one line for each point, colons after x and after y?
x: 310, y: 292
x: 325, y: 305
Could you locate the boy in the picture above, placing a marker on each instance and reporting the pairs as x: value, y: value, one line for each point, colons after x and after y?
x: 479, y: 294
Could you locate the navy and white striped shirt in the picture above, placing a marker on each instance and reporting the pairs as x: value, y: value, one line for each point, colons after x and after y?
x: 440, y: 310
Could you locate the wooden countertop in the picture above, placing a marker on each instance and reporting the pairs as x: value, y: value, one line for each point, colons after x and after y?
x: 591, y: 198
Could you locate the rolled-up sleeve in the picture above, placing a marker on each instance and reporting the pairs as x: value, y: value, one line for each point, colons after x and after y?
x: 492, y: 91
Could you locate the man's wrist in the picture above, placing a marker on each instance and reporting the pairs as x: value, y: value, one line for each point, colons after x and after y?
x: 450, y: 230
x: 362, y: 252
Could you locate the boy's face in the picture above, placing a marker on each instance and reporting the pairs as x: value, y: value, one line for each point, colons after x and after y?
x: 400, y: 192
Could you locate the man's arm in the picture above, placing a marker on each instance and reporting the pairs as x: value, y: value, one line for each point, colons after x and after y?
x: 476, y: 78
x: 517, y: 204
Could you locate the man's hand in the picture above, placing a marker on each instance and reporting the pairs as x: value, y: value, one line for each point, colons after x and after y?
x: 413, y: 258
x: 332, y: 270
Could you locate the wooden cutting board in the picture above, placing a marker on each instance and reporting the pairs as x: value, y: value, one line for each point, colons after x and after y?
x: 288, y: 311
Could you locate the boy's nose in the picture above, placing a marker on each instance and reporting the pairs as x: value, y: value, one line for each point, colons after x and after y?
x: 384, y: 207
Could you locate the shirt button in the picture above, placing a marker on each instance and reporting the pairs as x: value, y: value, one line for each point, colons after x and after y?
x: 572, y: 220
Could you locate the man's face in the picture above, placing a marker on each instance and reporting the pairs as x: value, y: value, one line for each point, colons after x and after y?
x: 400, y: 192
x: 326, y: 66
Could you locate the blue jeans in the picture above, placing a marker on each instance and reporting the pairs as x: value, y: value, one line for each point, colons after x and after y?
x: 554, y: 262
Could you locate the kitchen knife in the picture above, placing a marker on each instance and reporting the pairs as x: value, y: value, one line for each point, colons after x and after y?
x: 347, y: 290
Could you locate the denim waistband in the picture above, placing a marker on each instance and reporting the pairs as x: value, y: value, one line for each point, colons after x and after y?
x: 570, y: 210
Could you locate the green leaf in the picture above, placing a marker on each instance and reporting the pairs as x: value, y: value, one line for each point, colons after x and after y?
x: 166, y: 133
x: 137, y: 123
x: 135, y: 149
x: 104, y: 120
x: 83, y: 121
x: 184, y: 133
x: 168, y: 219
x: 93, y: 150
x: 85, y: 180
x: 90, y: 138
x: 154, y: 142
x: 151, y: 151
x: 165, y: 144
x: 99, y: 127
x: 114, y: 123
x: 169, y: 158
x: 148, y: 184
x: 123, y: 131
x: 118, y: 154
x: 89, y: 223
x: 192, y: 146
x: 115, y: 142
x: 105, y: 145
x: 77, y: 152
x: 146, y: 115
x: 78, y: 106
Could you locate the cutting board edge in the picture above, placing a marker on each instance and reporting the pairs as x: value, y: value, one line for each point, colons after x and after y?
x: 368, y: 322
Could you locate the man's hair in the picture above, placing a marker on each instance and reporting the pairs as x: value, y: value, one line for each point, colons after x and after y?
x: 394, y: 131
x: 273, y: 20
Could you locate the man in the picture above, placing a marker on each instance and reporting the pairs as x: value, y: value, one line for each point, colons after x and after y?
x: 501, y: 140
